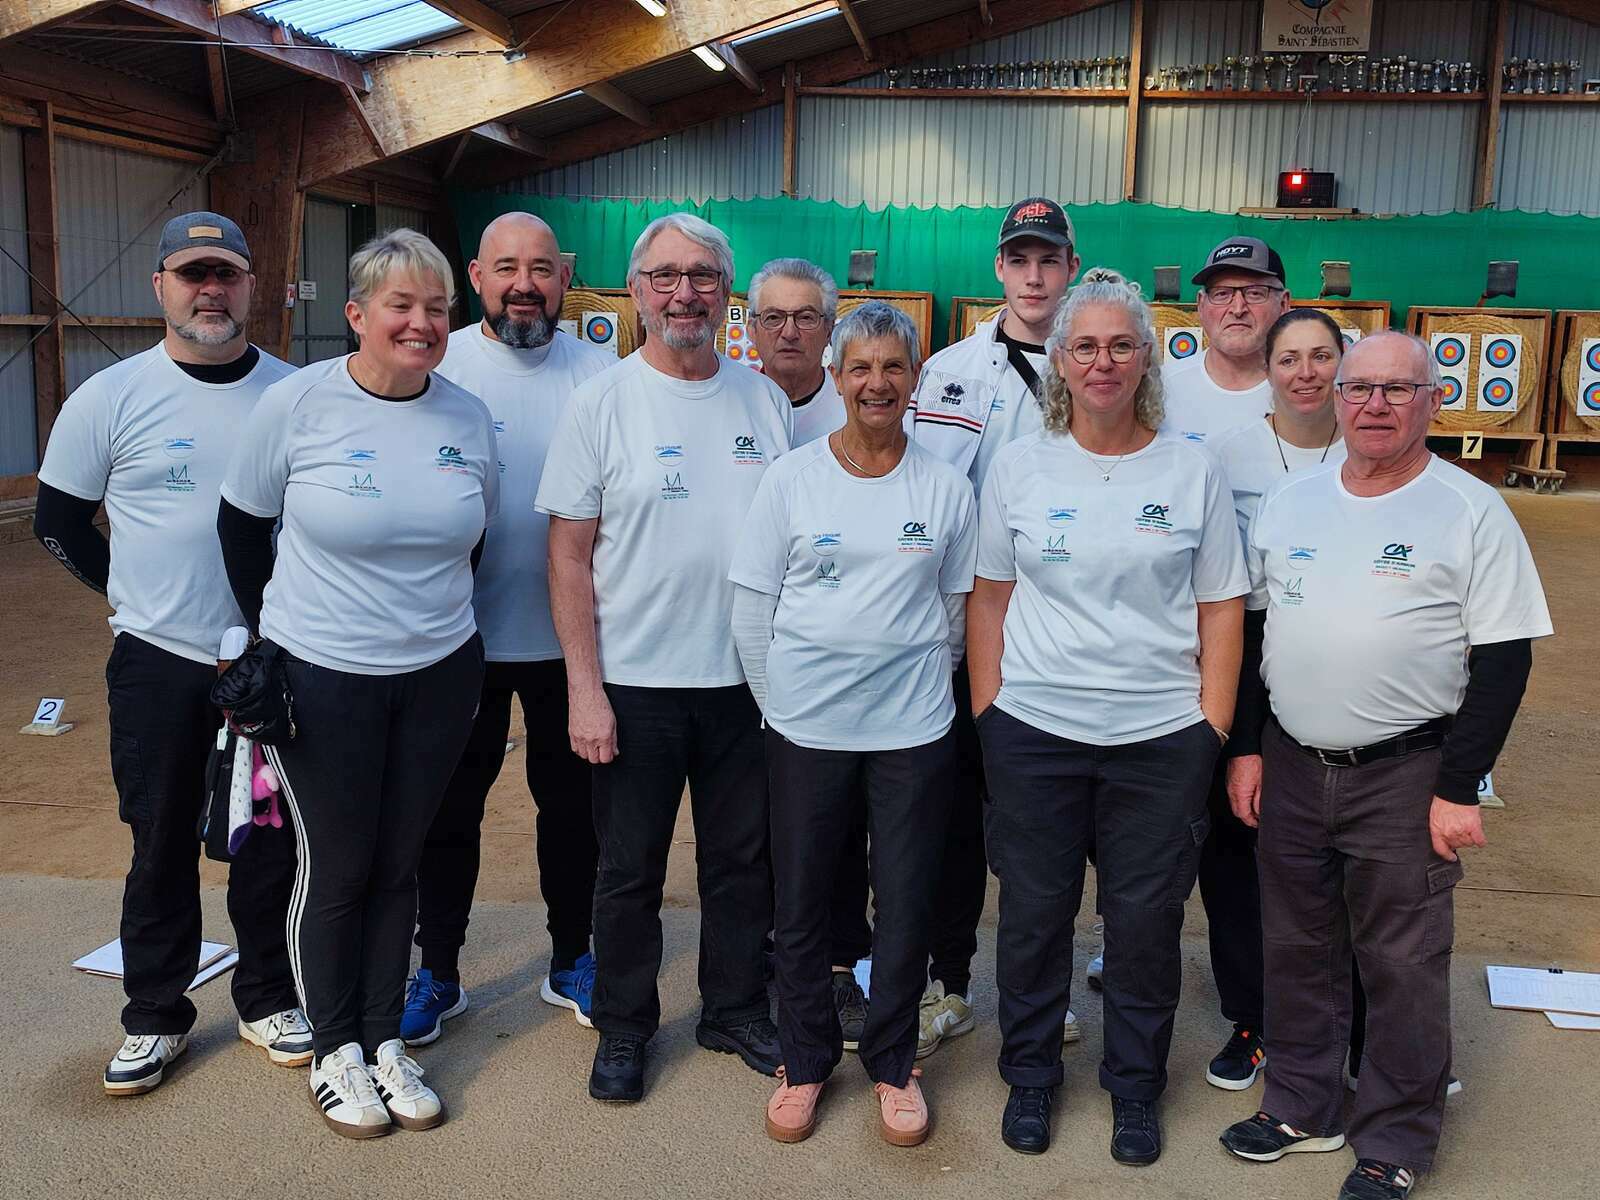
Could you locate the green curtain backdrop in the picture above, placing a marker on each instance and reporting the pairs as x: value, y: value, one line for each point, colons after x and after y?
x: 949, y: 252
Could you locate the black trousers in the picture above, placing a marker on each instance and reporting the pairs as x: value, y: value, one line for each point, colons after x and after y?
x: 561, y: 786
x: 849, y: 931
x: 1230, y: 889
x: 162, y: 727
x: 1347, y: 863
x: 815, y: 794
x: 964, y: 872
x: 711, y: 739
x: 1144, y: 805
x: 364, y: 776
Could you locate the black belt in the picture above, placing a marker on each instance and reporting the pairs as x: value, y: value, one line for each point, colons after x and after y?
x: 1424, y: 737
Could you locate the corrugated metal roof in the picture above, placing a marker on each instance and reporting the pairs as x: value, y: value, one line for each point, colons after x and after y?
x: 362, y: 26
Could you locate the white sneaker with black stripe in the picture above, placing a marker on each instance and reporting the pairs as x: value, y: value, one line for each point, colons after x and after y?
x: 342, y: 1090
x: 412, y: 1104
x: 142, y: 1062
x: 285, y: 1036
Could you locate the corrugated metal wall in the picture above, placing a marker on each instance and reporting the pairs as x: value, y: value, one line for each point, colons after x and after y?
x: 85, y: 354
x: 320, y: 328
x: 13, y: 222
x: 1549, y: 159
x: 19, y: 452
x: 395, y: 216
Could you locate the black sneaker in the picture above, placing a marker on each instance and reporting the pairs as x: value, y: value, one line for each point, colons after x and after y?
x: 850, y: 1002
x: 618, y: 1074
x: 1135, y: 1132
x: 1267, y: 1139
x: 1374, y: 1180
x: 1239, y: 1062
x: 755, y: 1041
x: 1025, y: 1127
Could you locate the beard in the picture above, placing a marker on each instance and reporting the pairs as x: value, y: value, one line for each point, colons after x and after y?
x: 658, y: 326
x: 205, y: 331
x: 523, y: 335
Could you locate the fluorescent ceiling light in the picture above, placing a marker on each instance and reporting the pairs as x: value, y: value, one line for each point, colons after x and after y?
x: 654, y: 7
x: 710, y: 57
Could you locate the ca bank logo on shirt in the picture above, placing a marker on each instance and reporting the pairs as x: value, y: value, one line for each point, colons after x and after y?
x: 178, y: 447
x: 825, y: 545
x: 1055, y: 549
x: 450, y: 459
x: 1060, y: 516
x: 670, y: 455
x: 1152, y: 518
x: 1395, y: 561
x: 1302, y: 554
x: 828, y: 575
x: 672, y: 486
x: 746, y: 451
x: 178, y: 480
x: 914, y: 538
x: 356, y: 455
x: 362, y: 487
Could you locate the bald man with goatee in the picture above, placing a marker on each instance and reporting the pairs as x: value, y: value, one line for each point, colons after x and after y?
x: 520, y: 364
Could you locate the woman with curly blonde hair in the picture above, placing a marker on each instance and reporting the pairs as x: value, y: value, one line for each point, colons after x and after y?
x: 1103, y: 635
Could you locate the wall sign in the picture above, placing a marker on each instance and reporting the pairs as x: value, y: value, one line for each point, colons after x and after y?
x: 1317, y: 26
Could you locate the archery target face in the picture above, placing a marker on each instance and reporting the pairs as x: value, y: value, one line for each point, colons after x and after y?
x: 1183, y: 343
x: 1449, y: 350
x: 738, y: 344
x: 1588, y: 398
x: 1450, y: 353
x: 600, y: 328
x: 1499, y: 371
x: 1499, y: 352
x: 1450, y: 391
x: 1499, y: 393
x: 1349, y: 335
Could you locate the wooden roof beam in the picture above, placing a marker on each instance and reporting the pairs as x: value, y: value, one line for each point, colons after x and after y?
x: 510, y: 138
x: 619, y: 102
x: 475, y: 14
x: 18, y: 17
x: 983, y: 11
x: 847, y: 10
x: 742, y: 70
x: 195, y: 16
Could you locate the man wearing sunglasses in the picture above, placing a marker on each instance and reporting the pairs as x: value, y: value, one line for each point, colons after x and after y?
x: 1403, y: 589
x: 1242, y: 292
x: 793, y: 304
x: 648, y: 478
x: 151, y: 437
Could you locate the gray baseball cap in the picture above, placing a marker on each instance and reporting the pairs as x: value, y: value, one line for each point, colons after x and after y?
x: 201, y: 235
x: 1241, y: 254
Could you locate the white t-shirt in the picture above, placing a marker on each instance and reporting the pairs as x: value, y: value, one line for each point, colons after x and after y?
x: 1250, y: 458
x: 1101, y: 636
x: 669, y: 466
x: 154, y: 442
x: 382, y: 504
x: 1374, y: 601
x: 860, y: 656
x: 1197, y: 408
x: 820, y: 415
x: 526, y: 391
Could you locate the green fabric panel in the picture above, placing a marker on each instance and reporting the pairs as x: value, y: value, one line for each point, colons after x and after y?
x: 1406, y: 260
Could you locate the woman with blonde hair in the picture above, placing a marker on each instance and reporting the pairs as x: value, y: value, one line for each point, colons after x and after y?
x: 385, y: 476
x: 1103, y: 640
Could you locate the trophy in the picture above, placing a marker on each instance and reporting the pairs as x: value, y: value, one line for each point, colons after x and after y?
x: 1556, y: 68
x: 1289, y: 62
x: 1469, y: 81
x: 1228, y: 64
x: 1573, y: 67
x: 1438, y: 75
x: 1268, y: 61
x: 1124, y: 68
x: 1527, y: 77
x: 1248, y: 62
x: 1542, y: 69
x: 1183, y: 79
x: 894, y: 78
x: 1211, y: 72
x: 1412, y: 66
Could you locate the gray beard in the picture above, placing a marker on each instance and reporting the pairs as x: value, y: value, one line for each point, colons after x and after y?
x: 523, y: 335
x: 204, y: 334
x: 661, y: 328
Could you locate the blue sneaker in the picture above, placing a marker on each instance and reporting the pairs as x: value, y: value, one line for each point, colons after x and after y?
x: 430, y: 1003
x: 572, y: 989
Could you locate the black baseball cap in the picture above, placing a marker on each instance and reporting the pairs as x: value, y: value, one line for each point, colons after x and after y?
x: 1037, y: 217
x: 1241, y: 254
x: 201, y: 235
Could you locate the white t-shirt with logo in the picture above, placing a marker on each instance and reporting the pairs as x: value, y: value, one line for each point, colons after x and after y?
x: 1250, y: 456
x: 860, y: 656
x: 1101, y: 636
x: 1198, y: 408
x: 669, y: 466
x: 820, y: 415
x: 1374, y: 601
x: 153, y: 442
x: 526, y: 391
x: 382, y: 503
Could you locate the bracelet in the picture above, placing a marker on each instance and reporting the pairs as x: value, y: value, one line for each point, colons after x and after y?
x: 1221, y: 733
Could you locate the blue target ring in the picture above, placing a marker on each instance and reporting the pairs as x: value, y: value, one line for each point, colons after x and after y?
x: 599, y: 329
x: 1450, y: 351
x: 1497, y: 392
x: 1182, y: 345
x: 1501, y: 352
x: 1591, y: 398
x: 1592, y: 357
x: 1450, y: 390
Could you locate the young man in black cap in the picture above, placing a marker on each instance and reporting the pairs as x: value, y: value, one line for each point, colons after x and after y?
x: 974, y: 397
x: 1242, y: 292
x: 151, y: 437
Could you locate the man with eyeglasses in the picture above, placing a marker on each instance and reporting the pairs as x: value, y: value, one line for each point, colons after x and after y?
x: 1404, y: 589
x: 1242, y: 293
x: 647, y: 482
x: 793, y: 304
x: 151, y: 436
x: 974, y: 398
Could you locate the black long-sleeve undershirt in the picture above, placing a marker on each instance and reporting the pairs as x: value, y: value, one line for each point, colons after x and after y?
x: 1251, y: 708
x: 64, y: 525
x: 1497, y: 675
x: 247, y: 558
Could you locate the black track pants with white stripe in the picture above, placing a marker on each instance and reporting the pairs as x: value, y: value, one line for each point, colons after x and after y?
x: 364, y: 776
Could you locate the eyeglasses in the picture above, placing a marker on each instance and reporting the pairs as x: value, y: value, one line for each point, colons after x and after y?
x: 667, y: 279
x: 1395, y: 392
x: 806, y: 320
x: 1254, y: 294
x: 1121, y: 351
x: 197, y: 273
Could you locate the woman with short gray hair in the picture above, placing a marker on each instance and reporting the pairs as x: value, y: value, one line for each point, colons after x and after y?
x: 384, y: 476
x: 851, y: 571
x: 1103, y: 640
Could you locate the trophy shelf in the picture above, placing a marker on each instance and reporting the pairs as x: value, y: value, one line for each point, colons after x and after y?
x: 1350, y: 97
x: 1551, y: 98
x: 923, y: 93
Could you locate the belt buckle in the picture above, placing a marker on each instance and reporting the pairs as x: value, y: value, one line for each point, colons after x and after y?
x: 1336, y: 758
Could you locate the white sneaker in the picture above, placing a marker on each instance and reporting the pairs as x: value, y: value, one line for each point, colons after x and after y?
x: 411, y: 1103
x: 142, y: 1061
x: 343, y: 1092
x: 1351, y: 1081
x: 285, y: 1036
x: 1096, y: 968
x: 1070, y: 1032
x: 940, y: 1016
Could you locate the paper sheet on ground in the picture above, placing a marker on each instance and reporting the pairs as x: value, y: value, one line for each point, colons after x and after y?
x: 215, y: 958
x: 1544, y: 990
x: 1573, y: 1021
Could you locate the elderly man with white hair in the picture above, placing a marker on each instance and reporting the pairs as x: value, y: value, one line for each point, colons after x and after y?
x: 793, y: 305
x: 647, y: 482
x: 1403, y: 590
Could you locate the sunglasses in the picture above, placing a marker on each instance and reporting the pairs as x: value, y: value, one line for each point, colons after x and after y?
x: 196, y: 273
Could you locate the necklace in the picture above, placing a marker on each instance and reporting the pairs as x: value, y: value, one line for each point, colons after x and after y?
x: 857, y: 465
x: 1272, y: 420
x: 1105, y: 471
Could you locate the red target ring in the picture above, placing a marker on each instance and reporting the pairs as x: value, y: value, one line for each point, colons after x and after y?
x: 1182, y: 345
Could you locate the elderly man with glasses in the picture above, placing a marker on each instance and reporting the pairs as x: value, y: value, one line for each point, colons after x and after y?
x: 793, y: 304
x: 646, y: 483
x: 1404, y: 589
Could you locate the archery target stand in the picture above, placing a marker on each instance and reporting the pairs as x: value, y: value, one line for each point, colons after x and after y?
x: 1573, y: 404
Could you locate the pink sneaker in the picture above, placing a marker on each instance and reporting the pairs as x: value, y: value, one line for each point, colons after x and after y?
x: 792, y: 1111
x: 903, y: 1112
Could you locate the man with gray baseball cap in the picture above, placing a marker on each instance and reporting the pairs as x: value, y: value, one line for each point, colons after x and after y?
x: 150, y: 437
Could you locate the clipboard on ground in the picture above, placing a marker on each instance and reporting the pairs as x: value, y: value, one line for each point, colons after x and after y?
x: 1544, y: 989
